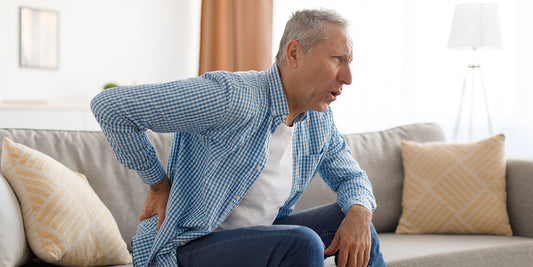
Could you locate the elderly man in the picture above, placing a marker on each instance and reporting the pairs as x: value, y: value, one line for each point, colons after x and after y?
x: 246, y: 146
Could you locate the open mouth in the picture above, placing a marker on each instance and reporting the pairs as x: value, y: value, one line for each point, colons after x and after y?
x: 334, y: 95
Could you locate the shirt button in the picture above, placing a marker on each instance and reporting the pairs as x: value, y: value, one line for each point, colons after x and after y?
x: 284, y: 117
x: 258, y: 168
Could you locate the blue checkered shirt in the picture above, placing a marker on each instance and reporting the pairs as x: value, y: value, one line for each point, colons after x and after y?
x: 222, y: 123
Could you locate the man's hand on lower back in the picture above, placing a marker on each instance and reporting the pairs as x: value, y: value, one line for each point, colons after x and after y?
x: 156, y: 201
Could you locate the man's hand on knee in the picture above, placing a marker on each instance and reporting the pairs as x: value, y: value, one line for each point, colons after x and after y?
x: 353, y: 238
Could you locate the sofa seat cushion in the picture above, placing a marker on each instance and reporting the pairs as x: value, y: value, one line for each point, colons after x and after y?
x: 456, y: 250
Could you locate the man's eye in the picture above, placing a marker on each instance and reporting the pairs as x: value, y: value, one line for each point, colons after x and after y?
x: 339, y: 59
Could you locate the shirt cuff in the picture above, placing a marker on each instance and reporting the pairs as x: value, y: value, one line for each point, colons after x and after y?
x: 152, y: 175
x: 370, y: 205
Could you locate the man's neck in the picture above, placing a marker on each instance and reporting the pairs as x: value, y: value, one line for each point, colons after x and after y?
x: 292, y: 100
x: 290, y: 120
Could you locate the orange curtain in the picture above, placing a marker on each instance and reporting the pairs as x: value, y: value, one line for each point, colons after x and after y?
x: 236, y: 35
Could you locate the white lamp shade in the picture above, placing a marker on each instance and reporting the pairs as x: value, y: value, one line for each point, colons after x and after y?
x: 475, y: 25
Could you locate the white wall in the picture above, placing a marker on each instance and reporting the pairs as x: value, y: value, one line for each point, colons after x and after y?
x: 101, y: 41
x: 403, y: 72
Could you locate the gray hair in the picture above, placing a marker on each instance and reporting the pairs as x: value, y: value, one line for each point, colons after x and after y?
x: 307, y: 27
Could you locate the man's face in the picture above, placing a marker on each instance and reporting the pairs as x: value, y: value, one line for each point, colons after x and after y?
x: 326, y: 70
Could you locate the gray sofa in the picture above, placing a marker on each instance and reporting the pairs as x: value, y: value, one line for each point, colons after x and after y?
x: 377, y: 152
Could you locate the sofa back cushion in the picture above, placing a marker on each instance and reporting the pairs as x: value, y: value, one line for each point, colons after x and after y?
x: 379, y: 154
x: 123, y: 193
x: 88, y: 153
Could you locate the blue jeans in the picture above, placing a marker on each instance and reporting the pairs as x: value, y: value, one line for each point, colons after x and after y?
x: 296, y: 240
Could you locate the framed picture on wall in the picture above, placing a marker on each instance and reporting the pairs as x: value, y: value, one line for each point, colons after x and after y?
x: 38, y: 38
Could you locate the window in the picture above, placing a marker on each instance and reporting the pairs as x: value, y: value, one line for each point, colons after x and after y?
x: 404, y: 73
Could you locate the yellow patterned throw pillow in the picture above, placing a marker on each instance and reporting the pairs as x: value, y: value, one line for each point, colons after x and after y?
x: 454, y: 188
x: 65, y: 221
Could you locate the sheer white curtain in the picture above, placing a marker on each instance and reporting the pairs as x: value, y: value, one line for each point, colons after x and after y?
x: 404, y: 73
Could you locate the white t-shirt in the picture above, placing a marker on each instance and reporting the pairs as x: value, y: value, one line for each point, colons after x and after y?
x: 271, y: 190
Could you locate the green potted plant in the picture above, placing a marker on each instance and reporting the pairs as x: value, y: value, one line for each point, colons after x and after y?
x: 110, y: 85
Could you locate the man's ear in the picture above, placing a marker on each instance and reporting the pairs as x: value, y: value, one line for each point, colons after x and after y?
x: 294, y: 53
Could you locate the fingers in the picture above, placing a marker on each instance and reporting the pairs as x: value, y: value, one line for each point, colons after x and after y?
x: 333, y: 247
x: 160, y: 220
x: 357, y: 259
x: 350, y: 257
x: 145, y: 214
x: 343, y: 259
x: 156, y: 202
x: 362, y: 255
x: 366, y: 257
x: 143, y: 217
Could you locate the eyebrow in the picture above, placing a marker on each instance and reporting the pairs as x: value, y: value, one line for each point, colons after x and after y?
x: 348, y: 58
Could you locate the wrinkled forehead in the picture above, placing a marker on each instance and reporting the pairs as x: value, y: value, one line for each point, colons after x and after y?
x: 339, y: 37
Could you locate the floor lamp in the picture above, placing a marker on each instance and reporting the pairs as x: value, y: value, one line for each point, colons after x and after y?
x: 474, y: 26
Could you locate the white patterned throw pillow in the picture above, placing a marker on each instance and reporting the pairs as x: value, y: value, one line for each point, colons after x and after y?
x: 66, y: 222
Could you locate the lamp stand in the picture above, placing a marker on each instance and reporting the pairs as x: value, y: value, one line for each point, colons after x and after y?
x: 474, y: 71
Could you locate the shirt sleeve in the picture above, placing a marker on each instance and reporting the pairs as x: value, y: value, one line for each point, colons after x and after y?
x: 126, y: 113
x: 344, y: 176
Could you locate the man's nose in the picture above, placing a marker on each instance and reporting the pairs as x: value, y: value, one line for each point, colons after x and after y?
x: 345, y: 75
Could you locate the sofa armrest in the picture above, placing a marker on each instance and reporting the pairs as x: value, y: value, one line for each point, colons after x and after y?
x: 519, y: 196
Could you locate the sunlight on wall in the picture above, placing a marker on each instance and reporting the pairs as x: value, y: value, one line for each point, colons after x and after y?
x: 121, y: 41
x: 404, y: 73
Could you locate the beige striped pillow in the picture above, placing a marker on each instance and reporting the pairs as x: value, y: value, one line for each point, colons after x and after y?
x: 454, y: 188
x: 65, y: 221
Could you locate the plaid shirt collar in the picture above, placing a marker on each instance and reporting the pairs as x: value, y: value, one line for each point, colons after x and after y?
x: 278, y: 100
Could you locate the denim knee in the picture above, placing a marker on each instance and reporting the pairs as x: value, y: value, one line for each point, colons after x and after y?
x: 306, y: 243
x: 376, y: 258
x: 309, y: 237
